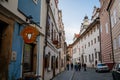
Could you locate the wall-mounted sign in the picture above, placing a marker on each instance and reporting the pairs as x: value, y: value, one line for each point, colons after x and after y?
x: 29, y: 34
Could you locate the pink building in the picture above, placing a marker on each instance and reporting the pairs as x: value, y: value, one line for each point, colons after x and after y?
x: 106, y: 39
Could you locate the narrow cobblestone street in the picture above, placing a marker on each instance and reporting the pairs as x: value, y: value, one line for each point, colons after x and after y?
x: 65, y: 75
x: 90, y: 74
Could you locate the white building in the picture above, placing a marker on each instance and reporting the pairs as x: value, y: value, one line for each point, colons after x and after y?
x: 86, y: 48
x: 55, y: 38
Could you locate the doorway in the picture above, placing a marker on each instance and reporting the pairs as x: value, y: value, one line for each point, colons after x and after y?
x: 3, y: 51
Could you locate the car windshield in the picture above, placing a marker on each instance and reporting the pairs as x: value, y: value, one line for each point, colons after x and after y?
x: 101, y: 64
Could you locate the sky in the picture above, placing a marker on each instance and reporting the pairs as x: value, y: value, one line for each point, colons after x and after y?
x: 73, y: 13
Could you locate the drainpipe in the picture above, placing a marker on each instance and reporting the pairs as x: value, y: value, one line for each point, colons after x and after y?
x: 47, y: 1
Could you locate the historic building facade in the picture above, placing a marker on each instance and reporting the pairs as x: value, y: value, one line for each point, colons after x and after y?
x: 62, y: 44
x: 21, y: 38
x: 86, y: 48
x: 114, y: 16
x: 54, y: 41
x: 106, y: 40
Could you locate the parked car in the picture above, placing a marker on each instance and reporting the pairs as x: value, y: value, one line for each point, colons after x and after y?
x: 116, y: 71
x: 102, y: 67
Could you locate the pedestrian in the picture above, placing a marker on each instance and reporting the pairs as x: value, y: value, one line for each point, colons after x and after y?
x: 79, y: 66
x: 76, y: 66
x: 84, y: 66
x: 67, y: 66
x: 71, y: 66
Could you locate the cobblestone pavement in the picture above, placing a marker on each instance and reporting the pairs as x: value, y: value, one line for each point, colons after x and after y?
x: 65, y: 75
x: 90, y: 74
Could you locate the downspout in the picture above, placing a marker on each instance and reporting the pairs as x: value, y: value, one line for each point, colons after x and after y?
x: 47, y: 1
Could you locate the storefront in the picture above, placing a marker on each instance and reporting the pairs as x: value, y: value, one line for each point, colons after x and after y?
x: 29, y: 34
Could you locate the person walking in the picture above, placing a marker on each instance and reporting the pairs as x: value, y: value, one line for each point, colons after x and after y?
x: 84, y: 66
x: 76, y: 66
x: 79, y: 66
x: 67, y: 66
x: 71, y: 66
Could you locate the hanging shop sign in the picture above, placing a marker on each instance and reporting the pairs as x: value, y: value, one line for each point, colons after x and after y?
x: 29, y: 34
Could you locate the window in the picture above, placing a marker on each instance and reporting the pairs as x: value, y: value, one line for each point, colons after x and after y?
x: 47, y: 59
x: 106, y: 27
x: 91, y: 42
x: 89, y: 58
x: 119, y: 40
x: 85, y: 58
x: 94, y: 40
x: 96, y: 55
x: 52, y: 62
x: 88, y: 44
x: 114, y: 43
x: 98, y: 38
x: 92, y: 57
x: 112, y: 23
x: 115, y: 18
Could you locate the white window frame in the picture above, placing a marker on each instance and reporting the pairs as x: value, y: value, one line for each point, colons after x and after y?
x: 115, y: 17
x: 119, y: 40
x: 106, y: 27
x: 112, y: 19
